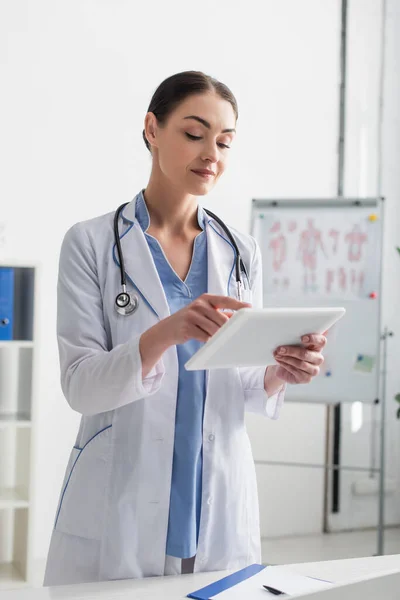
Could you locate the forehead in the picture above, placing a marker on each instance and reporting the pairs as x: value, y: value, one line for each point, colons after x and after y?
x: 210, y: 107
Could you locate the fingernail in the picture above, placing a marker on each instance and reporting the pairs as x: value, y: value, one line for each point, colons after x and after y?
x: 306, y: 338
x: 282, y: 351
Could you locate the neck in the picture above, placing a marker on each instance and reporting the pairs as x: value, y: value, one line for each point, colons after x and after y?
x: 170, y: 209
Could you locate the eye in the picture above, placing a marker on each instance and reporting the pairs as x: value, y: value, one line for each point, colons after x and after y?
x: 198, y: 137
x: 192, y: 137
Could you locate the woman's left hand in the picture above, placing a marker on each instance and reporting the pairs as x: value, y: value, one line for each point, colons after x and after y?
x: 300, y: 364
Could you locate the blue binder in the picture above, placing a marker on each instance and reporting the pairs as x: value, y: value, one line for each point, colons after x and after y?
x: 6, y: 303
x: 227, y: 582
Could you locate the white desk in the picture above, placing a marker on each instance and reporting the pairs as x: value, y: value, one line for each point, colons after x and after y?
x: 175, y: 588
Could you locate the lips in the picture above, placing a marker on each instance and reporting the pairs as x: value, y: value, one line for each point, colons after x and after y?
x: 203, y: 172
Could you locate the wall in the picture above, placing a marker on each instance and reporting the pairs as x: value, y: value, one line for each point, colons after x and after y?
x: 391, y: 270
x: 79, y: 76
x: 372, y: 134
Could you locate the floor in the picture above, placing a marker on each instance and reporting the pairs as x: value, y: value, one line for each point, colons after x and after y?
x: 281, y: 551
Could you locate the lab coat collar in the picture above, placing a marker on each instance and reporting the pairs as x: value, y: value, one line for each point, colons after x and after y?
x: 140, y: 212
x: 221, y: 260
x: 141, y: 270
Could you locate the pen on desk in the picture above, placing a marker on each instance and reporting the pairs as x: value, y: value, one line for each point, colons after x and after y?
x: 274, y: 590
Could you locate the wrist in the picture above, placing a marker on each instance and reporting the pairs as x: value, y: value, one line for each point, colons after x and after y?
x: 152, y: 345
x: 272, y: 383
x: 160, y: 335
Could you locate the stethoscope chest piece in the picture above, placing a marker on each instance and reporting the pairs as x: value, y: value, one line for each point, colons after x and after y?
x: 126, y: 304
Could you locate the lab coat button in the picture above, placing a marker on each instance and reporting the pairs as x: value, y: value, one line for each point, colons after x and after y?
x: 211, y: 437
x: 209, y: 501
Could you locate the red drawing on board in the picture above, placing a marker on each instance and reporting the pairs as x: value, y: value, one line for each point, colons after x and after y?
x: 292, y: 226
x: 334, y: 234
x: 356, y: 238
x: 279, y: 251
x: 361, y: 280
x: 342, y: 279
x: 353, y: 279
x: 330, y: 276
x: 275, y: 227
x: 310, y: 241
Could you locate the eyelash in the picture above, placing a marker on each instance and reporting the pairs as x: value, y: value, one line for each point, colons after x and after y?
x: 196, y: 138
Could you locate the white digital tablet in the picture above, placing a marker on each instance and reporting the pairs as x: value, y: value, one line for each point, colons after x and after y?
x: 250, y: 336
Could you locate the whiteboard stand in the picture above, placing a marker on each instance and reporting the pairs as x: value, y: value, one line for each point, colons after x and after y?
x: 301, y: 242
x: 381, y: 519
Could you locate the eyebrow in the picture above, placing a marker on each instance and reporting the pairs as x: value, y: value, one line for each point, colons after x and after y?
x: 207, y: 124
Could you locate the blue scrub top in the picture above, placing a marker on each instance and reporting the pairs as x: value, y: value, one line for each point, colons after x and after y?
x: 186, y: 485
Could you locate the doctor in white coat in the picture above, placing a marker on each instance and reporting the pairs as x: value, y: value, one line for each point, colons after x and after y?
x: 161, y: 479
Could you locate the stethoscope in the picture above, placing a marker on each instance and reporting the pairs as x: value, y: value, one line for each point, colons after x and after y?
x: 127, y: 303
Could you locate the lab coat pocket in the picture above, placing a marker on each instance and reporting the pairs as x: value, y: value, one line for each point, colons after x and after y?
x: 82, y: 503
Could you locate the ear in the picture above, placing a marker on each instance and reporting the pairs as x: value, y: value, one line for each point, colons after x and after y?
x: 150, y: 128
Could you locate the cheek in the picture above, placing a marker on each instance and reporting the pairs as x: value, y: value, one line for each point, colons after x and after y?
x: 222, y: 164
x: 177, y: 155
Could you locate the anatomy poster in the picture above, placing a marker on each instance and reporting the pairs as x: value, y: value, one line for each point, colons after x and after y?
x: 319, y: 253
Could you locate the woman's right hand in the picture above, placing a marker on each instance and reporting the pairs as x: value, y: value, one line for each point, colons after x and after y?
x: 200, y: 319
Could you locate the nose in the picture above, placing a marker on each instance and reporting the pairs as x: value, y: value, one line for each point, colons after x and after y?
x: 210, y: 153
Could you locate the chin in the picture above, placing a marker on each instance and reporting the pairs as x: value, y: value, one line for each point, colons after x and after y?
x: 204, y: 191
x: 200, y: 189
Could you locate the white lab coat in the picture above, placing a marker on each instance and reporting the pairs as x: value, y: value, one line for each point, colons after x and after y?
x: 113, y: 512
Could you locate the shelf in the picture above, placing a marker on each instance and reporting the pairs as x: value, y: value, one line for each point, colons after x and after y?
x: 12, y: 498
x: 17, y: 358
x: 16, y: 344
x: 10, y: 577
x: 15, y: 420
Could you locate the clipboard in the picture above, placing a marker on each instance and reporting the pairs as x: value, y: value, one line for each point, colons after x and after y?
x: 252, y: 581
x: 226, y: 582
x: 250, y: 336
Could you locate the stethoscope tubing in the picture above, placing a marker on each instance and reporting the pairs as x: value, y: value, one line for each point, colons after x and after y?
x: 239, y: 264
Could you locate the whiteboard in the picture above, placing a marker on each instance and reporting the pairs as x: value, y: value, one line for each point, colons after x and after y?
x: 324, y: 253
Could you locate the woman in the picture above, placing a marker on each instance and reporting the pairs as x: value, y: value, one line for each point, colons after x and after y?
x: 161, y: 479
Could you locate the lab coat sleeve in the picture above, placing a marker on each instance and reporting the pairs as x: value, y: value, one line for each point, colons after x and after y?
x: 94, y: 377
x: 256, y: 398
